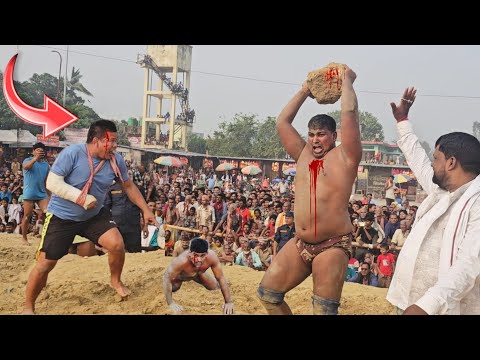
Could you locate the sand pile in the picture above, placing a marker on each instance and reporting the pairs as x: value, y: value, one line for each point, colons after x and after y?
x: 81, y: 286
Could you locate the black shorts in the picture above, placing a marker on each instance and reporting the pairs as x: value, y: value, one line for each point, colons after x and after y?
x: 58, y: 234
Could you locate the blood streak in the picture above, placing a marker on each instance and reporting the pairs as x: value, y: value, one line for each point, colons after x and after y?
x: 108, y: 139
x: 314, y: 168
x: 330, y: 75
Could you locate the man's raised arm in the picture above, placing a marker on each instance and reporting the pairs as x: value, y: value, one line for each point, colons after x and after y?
x: 351, y: 145
x: 289, y: 136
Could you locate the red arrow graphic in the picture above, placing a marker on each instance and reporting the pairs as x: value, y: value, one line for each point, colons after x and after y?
x: 53, y: 117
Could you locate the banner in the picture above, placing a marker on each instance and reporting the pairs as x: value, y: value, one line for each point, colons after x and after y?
x: 207, y: 163
x: 286, y: 166
x: 244, y: 163
x: 49, y: 141
x: 184, y: 160
x: 275, y: 166
x: 134, y: 140
x: 407, y: 172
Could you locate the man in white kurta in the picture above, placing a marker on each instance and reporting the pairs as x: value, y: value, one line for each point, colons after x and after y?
x: 438, y: 268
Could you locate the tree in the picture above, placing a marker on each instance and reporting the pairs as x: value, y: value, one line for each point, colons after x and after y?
x: 196, y: 144
x: 370, y: 127
x: 267, y: 141
x: 235, y: 138
x: 32, y: 92
x: 73, y: 86
x: 427, y: 148
x: 476, y: 129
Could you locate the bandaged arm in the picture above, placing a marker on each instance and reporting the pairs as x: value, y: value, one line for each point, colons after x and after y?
x: 57, y: 185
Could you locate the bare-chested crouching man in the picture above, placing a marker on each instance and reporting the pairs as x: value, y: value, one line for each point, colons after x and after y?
x: 325, y: 174
x: 192, y: 265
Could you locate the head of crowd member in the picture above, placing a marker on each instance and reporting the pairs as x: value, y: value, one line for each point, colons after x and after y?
x: 321, y: 134
x: 2, y: 227
x: 246, y: 229
x: 171, y: 203
x: 383, y: 249
x: 368, y: 258
x: 216, y: 190
x: 186, y: 191
x: 289, y: 218
x: 230, y: 238
x: 456, y: 160
x: 393, y: 218
x: 257, y: 214
x: 364, y: 269
x: 249, y: 203
x: 198, y: 251
x: 362, y: 212
x: 245, y: 244
x: 192, y: 211
x: 38, y: 147
x: 243, y: 202
x: 205, y: 200
x: 413, y: 210
x: 233, y: 197
x: 103, y: 135
x: 9, y: 227
x: 369, y: 219
x: 402, y: 214
x: 278, y: 209
x: 166, y: 189
x: 152, y: 205
x: 185, y: 240
x: 378, y: 213
x: 272, y: 218
x: 262, y: 243
x: 227, y: 248
x: 372, y: 208
x: 286, y: 207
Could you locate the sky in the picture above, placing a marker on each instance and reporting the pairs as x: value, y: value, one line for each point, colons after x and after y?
x: 261, y: 79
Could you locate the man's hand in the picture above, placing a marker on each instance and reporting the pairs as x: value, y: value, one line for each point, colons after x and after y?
x: 149, y: 218
x: 175, y: 307
x: 228, y: 308
x: 349, y: 74
x: 90, y: 202
x: 306, y: 89
x: 414, y: 310
x: 400, y: 111
x: 39, y: 153
x: 145, y: 231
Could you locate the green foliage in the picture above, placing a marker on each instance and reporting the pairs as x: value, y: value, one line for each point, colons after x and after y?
x: 245, y: 136
x: 196, y: 144
x: 267, y: 143
x: 370, y: 127
x: 32, y: 92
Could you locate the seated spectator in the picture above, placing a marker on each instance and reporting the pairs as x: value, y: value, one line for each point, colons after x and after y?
x: 264, y: 252
x: 227, y: 257
x: 182, y: 245
x: 365, y: 276
x: 247, y: 257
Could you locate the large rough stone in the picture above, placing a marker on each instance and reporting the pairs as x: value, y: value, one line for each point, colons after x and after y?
x: 325, y: 84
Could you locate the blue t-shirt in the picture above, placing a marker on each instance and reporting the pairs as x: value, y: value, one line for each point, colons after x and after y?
x: 72, y: 164
x: 34, y: 180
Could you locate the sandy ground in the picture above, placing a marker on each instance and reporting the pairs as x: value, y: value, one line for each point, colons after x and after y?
x: 81, y: 286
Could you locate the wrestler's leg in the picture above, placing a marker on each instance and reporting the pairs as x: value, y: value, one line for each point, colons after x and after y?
x: 28, y: 206
x: 328, y: 269
x: 43, y: 204
x: 286, y: 271
x: 208, y: 281
x: 112, y: 241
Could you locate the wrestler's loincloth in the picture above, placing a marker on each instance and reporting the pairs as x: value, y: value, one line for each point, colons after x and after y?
x: 308, y: 252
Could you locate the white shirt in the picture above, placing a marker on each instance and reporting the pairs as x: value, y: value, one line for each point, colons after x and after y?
x: 447, y: 228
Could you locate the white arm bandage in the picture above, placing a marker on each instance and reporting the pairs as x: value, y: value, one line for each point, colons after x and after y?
x: 57, y: 185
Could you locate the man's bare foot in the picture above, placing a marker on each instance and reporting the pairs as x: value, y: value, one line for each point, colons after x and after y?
x: 27, y: 312
x: 122, y: 290
x: 25, y: 242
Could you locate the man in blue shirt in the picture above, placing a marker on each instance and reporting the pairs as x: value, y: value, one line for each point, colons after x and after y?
x: 35, y: 171
x: 79, y: 180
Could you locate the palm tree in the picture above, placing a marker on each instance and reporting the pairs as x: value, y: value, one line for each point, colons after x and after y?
x: 74, y: 85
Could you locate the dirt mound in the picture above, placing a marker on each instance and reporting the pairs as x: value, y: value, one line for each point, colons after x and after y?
x: 81, y: 286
